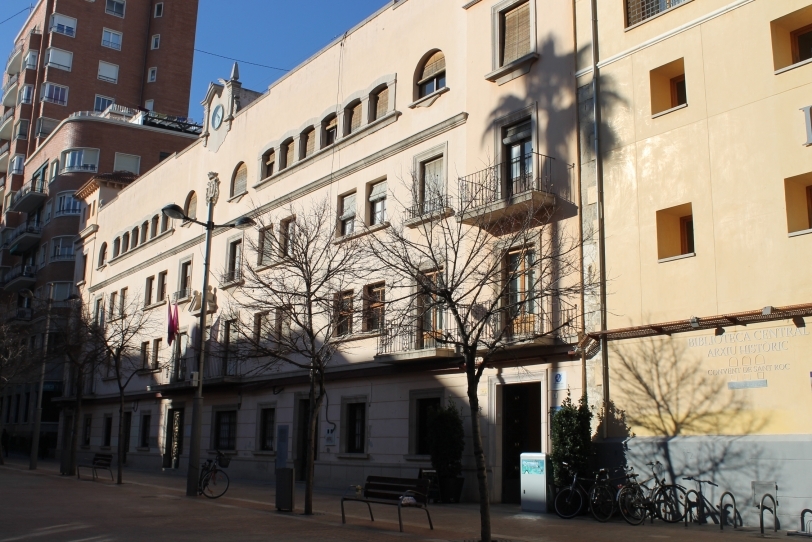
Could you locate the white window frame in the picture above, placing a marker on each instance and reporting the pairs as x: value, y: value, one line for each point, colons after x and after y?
x: 152, y: 75
x: 155, y: 42
x: 27, y: 62
x: 123, y: 155
x: 111, y: 43
x: 57, y: 241
x: 114, y: 14
x: 104, y: 78
x: 55, y: 65
x: 74, y: 207
x: 23, y: 92
x: 502, y: 73
x: 64, y: 160
x: 149, y: 105
x: 45, y: 98
x: 108, y: 98
x: 15, y: 158
x: 155, y: 13
x: 53, y: 25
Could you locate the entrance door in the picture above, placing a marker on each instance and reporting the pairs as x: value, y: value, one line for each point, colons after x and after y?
x: 302, y: 447
x: 521, y: 432
x: 174, y: 438
x: 128, y: 422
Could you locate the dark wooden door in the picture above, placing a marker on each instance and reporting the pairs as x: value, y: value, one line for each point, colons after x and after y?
x: 521, y: 432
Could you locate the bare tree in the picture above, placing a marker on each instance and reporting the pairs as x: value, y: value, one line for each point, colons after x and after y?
x: 296, y: 293
x: 16, y: 361
x: 119, y: 337
x: 493, y: 271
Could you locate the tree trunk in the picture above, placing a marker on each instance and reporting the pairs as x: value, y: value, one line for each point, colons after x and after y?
x: 479, y: 458
x: 120, y: 436
x: 77, y: 415
x: 2, y: 426
x: 312, y: 442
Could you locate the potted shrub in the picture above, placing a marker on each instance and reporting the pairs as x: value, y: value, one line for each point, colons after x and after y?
x: 571, y: 433
x: 446, y: 444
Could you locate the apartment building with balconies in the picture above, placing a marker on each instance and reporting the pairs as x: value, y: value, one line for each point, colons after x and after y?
x: 421, y: 111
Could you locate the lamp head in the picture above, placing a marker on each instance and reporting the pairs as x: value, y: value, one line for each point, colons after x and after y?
x: 244, y: 223
x: 174, y: 211
x: 26, y: 293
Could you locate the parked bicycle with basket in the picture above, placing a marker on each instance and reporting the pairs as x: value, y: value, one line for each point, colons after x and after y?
x: 213, y: 480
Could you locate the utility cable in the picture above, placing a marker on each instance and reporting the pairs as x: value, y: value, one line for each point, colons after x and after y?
x: 243, y: 61
x: 29, y: 8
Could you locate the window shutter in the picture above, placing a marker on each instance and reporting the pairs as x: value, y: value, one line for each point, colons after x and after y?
x: 240, y: 180
x: 127, y: 162
x: 434, y: 65
x: 332, y: 124
x: 382, y: 103
x: 289, y: 155
x: 62, y: 58
x: 108, y: 71
x: 356, y: 118
x: 378, y: 191
x: 516, y: 39
x: 348, y: 207
x: 311, y: 142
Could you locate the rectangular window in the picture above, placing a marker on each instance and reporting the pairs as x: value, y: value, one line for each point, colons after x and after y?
x: 44, y: 128
x: 26, y: 404
x: 31, y: 58
x: 146, y: 422
x: 686, y: 233
x: 21, y: 129
x: 122, y: 307
x: 145, y: 355
x: 156, y: 42
x: 521, y: 301
x: 80, y: 160
x: 375, y: 299
x: 381, y: 103
x: 675, y: 232
x: 17, y: 165
x: 515, y: 32
x: 356, y: 428
x: 63, y: 25
x: 668, y: 86
x: 57, y: 58
x: 347, y: 217
x: 159, y: 9
x: 801, y: 40
x: 161, y: 292
x: 330, y: 132
x: 102, y: 103
x: 287, y: 151
x: 27, y: 94
x: 115, y: 7
x: 266, y: 245
x: 353, y: 118
x: 432, y: 186
x: 127, y: 162
x: 108, y: 72
x: 153, y: 75
x: 234, y: 270
x: 308, y: 145
x: 377, y: 203
x: 269, y: 160
x: 424, y: 408
x: 343, y: 313
x: 112, y: 307
x: 148, y: 291
x: 55, y: 94
x: 67, y: 204
x: 108, y: 431
x: 225, y: 430
x: 185, y: 280
x: 149, y: 105
x: 638, y: 11
x: 679, y: 95
x: 266, y: 429
x: 112, y: 39
x: 157, y: 344
x: 431, y: 309
x: 86, y: 429
x: 286, y: 232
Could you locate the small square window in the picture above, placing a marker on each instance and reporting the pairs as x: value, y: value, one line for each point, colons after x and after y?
x: 149, y: 105
x: 792, y: 38
x: 102, y: 103
x: 108, y: 72
x: 798, y: 192
x: 153, y: 75
x: 115, y: 7
x: 675, y: 232
x: 159, y: 9
x: 668, y: 87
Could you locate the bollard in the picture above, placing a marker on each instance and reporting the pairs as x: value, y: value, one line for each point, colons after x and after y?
x: 722, y: 510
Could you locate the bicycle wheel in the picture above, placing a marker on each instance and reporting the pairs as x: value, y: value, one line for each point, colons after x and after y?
x: 602, y: 502
x: 632, y: 504
x: 568, y: 503
x: 215, y: 484
x: 670, y: 503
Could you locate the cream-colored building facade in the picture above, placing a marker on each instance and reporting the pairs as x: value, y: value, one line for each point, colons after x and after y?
x: 420, y: 84
x: 695, y: 222
x: 706, y: 168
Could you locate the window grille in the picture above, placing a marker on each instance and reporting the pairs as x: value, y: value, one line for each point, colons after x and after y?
x: 639, y: 10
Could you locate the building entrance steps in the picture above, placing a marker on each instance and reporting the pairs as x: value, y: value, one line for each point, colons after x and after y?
x: 151, y: 505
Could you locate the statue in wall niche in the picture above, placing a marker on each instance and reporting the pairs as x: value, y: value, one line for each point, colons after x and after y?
x: 211, y: 300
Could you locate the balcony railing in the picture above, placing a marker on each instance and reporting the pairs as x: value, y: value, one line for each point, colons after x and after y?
x: 7, y: 115
x: 111, y: 45
x: 55, y: 100
x: 23, y: 313
x: 27, y: 271
x: 108, y: 79
x: 63, y: 29
x: 638, y: 11
x: 532, y: 173
x: 4, y: 148
x: 69, y: 211
x: 10, y: 83
x: 24, y: 229
x: 15, y: 51
x: 219, y: 365
x: 31, y: 187
x: 429, y: 206
x: 437, y: 329
x: 235, y: 275
x: 180, y: 295
x: 79, y: 168
x: 63, y: 256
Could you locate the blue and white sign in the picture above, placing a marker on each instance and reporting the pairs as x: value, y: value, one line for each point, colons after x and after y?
x: 559, y: 381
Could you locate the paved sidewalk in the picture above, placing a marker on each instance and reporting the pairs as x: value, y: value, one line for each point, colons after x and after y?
x: 43, y: 505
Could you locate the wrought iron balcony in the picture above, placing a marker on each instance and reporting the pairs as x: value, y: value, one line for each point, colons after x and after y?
x: 229, y: 277
x: 24, y: 237
x: 63, y: 256
x: 432, y: 208
x: 14, y: 59
x: 21, y: 276
x: 182, y: 295
x: 79, y: 168
x: 30, y: 196
x: 509, y: 188
x: 10, y: 91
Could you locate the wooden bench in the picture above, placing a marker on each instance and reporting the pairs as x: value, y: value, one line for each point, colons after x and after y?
x: 392, y: 491
x: 99, y: 462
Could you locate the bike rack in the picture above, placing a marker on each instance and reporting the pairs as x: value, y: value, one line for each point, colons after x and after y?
x: 804, y: 530
x: 774, y: 511
x: 690, y: 505
x: 722, y: 510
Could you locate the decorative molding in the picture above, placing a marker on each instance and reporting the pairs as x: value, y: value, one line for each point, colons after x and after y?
x: 429, y: 99
x: 511, y: 71
x: 671, y: 110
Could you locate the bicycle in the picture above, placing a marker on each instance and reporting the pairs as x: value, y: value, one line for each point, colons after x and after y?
x: 701, y: 503
x: 665, y: 501
x: 213, y: 480
x: 570, y: 501
x: 603, y: 494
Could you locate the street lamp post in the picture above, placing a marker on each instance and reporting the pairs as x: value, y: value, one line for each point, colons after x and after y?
x: 32, y: 460
x: 176, y: 212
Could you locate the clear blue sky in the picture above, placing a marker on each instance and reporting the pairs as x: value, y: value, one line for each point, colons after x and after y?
x: 276, y: 33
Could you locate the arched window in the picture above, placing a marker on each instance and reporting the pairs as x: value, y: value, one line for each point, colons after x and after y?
x: 191, y: 206
x: 268, y: 163
x: 134, y: 238
x: 431, y: 77
x: 116, y: 247
x: 103, y: 254
x: 287, y: 154
x: 164, y: 222
x: 239, y: 183
x: 144, y: 232
x: 125, y: 243
x: 379, y: 103
x: 352, y: 117
x: 308, y: 145
x: 154, y: 231
x: 329, y: 131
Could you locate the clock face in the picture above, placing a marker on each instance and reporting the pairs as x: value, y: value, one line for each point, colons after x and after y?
x: 217, y: 117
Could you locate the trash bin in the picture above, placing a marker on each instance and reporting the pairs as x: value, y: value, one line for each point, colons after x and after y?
x: 533, y: 477
x: 285, y: 484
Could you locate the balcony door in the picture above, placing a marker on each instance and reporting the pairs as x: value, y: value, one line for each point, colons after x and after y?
x: 518, y: 143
